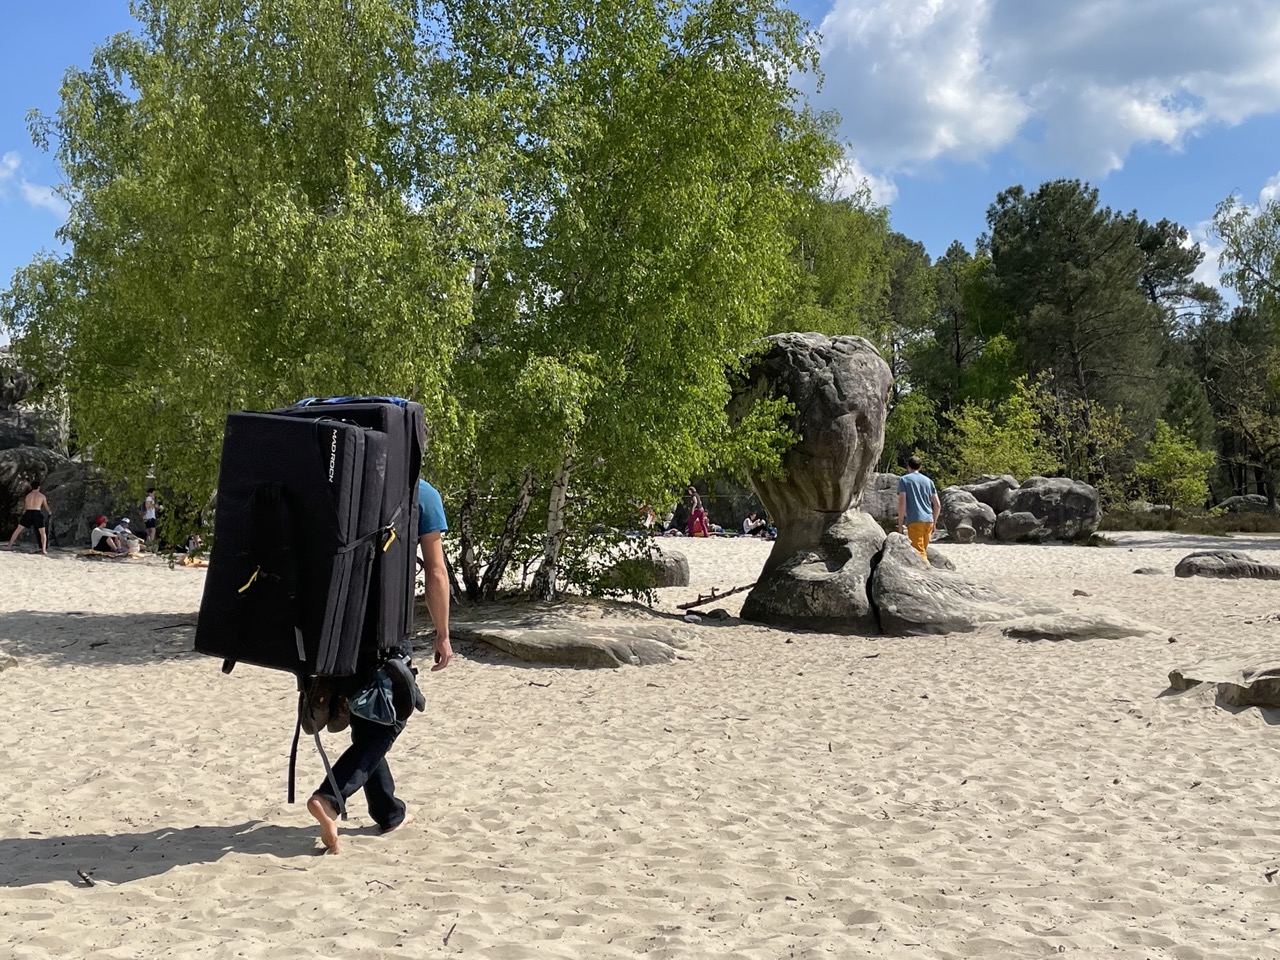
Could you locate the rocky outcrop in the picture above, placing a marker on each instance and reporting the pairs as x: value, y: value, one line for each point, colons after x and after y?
x: 815, y: 575
x: 1225, y: 565
x: 964, y: 517
x: 1238, y: 685
x: 911, y: 598
x: 589, y: 634
x: 1065, y: 509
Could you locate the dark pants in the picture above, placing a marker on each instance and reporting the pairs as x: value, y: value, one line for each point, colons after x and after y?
x: 364, y: 764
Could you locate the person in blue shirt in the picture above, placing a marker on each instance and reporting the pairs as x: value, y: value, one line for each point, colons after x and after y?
x: 364, y: 763
x: 431, y: 524
x: 918, y: 507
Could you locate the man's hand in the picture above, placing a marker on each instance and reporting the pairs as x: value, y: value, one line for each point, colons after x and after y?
x: 444, y: 652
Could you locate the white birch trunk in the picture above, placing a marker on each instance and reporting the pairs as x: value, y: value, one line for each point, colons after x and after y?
x: 544, y: 581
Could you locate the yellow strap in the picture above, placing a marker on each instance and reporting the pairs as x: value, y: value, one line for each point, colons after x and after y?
x: 390, y: 540
x: 249, y: 583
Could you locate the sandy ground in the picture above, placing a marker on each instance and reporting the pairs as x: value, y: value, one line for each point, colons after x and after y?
x: 781, y: 795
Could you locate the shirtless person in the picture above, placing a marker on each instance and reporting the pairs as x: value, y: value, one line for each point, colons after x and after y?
x: 34, y: 507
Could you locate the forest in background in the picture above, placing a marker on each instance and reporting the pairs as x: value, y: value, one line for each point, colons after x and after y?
x: 563, y: 225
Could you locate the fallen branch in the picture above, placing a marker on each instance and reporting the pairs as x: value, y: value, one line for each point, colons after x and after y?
x: 703, y: 601
x: 85, y: 877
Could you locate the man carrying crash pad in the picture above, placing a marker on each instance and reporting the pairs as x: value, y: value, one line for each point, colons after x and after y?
x: 364, y: 763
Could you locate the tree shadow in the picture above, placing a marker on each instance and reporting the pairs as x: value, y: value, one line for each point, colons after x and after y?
x: 1195, y: 542
x: 122, y: 857
x: 84, y: 637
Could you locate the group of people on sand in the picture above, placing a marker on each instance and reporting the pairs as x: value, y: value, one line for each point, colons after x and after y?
x: 120, y: 539
x: 698, y: 523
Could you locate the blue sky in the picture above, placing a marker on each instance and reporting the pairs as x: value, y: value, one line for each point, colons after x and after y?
x: 1168, y: 106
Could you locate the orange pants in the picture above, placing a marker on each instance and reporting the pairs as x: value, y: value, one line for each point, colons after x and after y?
x: 919, y: 534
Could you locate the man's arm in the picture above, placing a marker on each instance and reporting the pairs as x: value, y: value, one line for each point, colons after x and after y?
x: 437, y: 575
x: 902, y: 509
x: 937, y: 508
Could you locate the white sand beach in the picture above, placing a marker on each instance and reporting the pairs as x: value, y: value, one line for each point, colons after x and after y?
x: 779, y: 795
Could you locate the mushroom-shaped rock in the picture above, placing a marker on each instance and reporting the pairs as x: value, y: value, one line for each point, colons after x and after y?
x: 962, y: 508
x: 815, y: 576
x: 913, y: 599
x: 1225, y: 565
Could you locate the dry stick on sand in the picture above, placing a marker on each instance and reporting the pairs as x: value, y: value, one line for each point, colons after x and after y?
x: 703, y: 601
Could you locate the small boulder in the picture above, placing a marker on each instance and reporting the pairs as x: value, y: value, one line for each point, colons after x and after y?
x: 961, y: 508
x: 1225, y: 565
x: 1023, y: 526
x: 1151, y: 572
x: 668, y: 568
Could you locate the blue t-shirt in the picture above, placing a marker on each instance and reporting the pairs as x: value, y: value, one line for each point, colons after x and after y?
x: 919, y: 490
x: 430, y: 510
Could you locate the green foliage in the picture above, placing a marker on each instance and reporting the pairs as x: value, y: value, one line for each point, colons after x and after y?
x: 841, y: 263
x: 912, y: 422
x: 1176, y: 468
x: 997, y: 439
x: 250, y: 224
x: 1089, y: 441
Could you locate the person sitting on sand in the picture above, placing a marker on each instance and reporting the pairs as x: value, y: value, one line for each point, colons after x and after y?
x: 34, y: 507
x: 104, y: 539
x: 753, y: 526
x: 364, y: 763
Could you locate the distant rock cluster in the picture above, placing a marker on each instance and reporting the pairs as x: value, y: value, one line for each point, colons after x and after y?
x: 33, y: 446
x: 999, y: 508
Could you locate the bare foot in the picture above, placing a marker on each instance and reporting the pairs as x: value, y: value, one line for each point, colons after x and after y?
x: 408, y: 819
x: 327, y: 817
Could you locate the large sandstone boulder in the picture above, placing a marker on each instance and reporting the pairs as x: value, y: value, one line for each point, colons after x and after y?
x: 1067, y: 509
x: 1225, y: 565
x: 19, y: 468
x: 815, y: 575
x: 880, y: 496
x: 913, y: 599
x: 824, y: 588
x: 960, y: 510
x: 994, y: 491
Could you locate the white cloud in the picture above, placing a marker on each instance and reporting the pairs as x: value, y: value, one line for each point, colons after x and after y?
x: 45, y: 198
x: 1210, y: 269
x: 851, y: 177
x: 1079, y: 83
x: 9, y: 165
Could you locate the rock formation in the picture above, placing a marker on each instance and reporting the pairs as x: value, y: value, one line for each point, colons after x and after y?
x: 33, y: 446
x: 816, y: 575
x: 832, y: 568
x: 1225, y: 565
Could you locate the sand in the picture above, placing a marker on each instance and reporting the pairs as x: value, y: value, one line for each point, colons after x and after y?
x: 780, y: 795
